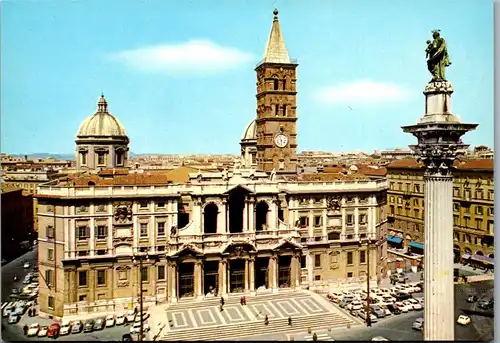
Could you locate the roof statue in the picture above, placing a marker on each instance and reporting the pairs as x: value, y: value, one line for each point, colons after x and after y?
x: 437, y: 57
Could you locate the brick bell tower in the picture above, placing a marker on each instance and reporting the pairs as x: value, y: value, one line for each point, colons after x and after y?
x: 277, y: 107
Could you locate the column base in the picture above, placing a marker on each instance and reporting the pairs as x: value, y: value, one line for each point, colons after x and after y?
x: 173, y: 300
x: 276, y: 290
x: 253, y: 293
x: 200, y: 297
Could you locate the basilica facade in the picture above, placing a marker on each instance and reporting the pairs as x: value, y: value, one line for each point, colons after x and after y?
x: 109, y: 234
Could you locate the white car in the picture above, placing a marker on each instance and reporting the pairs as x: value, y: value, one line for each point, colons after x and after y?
x: 14, y: 318
x: 355, y: 305
x: 379, y: 338
x: 416, y: 305
x: 387, y: 299
x: 27, y: 265
x: 33, y: 330
x: 386, y: 310
x: 43, y: 331
x: 130, y: 316
x: 385, y: 291
x: 120, y: 319
x: 65, y: 327
x: 110, y: 321
x: 421, y: 301
x: 463, y: 320
x: 136, y: 328
x: 145, y: 315
x: 408, y: 305
x: 401, y: 306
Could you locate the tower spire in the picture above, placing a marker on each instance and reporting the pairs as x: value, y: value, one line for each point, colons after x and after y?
x: 102, y: 104
x: 276, y: 51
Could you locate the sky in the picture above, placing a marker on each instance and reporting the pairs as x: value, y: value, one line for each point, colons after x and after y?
x: 179, y: 75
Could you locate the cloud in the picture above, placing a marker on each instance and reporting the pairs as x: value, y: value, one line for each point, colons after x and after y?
x: 363, y: 92
x: 192, y: 57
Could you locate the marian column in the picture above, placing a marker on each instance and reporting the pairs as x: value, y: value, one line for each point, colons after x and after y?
x: 438, y: 133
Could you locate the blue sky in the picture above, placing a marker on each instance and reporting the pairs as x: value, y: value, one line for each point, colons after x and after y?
x: 180, y: 74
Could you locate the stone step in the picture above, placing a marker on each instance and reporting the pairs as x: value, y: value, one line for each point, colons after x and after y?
x: 235, y: 299
x: 279, y: 325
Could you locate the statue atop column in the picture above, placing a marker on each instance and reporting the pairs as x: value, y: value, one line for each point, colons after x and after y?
x: 437, y: 57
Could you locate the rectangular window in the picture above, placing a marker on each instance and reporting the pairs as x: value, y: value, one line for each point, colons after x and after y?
x: 417, y: 213
x: 415, y: 202
x: 101, y: 252
x: 349, y: 258
x: 456, y: 207
x: 456, y: 220
x: 83, y: 232
x: 400, y: 186
x: 349, y: 274
x: 161, y: 272
x: 466, y: 221
x: 102, y: 231
x: 144, y: 229
x: 491, y: 226
x: 490, y: 195
x: 161, y: 203
x: 479, y: 224
x: 467, y: 194
x: 479, y: 210
x: 144, y: 274
x: 391, y: 185
x: 391, y: 209
x: 82, y: 253
x: 143, y: 204
x: 303, y: 262
x: 304, y: 221
x: 161, y: 248
x: 467, y: 209
x: 119, y: 158
x: 479, y: 194
x: 161, y: 229
x: 83, y: 158
x: 350, y: 219
x: 49, y: 277
x: 317, y: 220
x: 317, y: 261
x: 101, y: 277
x: 362, y: 256
x: 50, y: 302
x: 317, y: 277
x: 400, y: 201
x: 490, y: 211
x: 362, y: 218
x: 50, y: 254
x: 50, y: 231
x: 82, y: 279
x: 101, y: 158
x: 391, y: 199
x: 456, y: 192
x: 417, y: 188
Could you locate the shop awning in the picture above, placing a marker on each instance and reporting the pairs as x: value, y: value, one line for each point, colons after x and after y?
x: 416, y: 245
x: 394, y: 239
x: 482, y: 258
x: 466, y: 256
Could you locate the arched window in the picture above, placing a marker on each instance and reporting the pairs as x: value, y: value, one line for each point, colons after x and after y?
x: 210, y: 218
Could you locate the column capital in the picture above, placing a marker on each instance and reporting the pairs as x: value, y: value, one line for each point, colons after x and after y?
x: 437, y: 158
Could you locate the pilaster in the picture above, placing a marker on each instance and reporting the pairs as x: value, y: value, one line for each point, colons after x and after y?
x: 310, y: 268
x: 245, y: 216
x: 172, y: 281
x: 247, y: 276
x: 251, y: 215
x: 251, y: 270
x: 92, y: 231
x: 222, y: 277
x: 221, y: 218
x: 356, y: 222
x: 198, y: 291
x: 344, y: 219
x: 110, y: 229
x: 153, y: 232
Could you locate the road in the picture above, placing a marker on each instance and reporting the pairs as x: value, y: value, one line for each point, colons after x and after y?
x: 15, y: 267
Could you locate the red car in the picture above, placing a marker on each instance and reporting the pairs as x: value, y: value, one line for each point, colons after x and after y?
x: 54, y: 329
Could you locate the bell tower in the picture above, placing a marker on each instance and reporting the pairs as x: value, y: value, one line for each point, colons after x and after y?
x: 277, y: 106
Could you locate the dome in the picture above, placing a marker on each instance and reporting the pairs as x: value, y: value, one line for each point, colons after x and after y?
x: 102, y: 123
x: 250, y: 132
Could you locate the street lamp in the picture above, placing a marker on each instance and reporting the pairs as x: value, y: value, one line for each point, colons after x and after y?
x: 140, y: 257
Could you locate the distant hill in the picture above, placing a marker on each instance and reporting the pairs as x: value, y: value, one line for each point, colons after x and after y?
x: 46, y: 155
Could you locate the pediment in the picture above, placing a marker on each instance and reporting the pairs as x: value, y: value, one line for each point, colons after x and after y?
x: 187, y: 250
x: 287, y: 245
x: 238, y: 188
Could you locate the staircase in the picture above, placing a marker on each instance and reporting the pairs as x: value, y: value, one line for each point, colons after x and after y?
x: 279, y: 325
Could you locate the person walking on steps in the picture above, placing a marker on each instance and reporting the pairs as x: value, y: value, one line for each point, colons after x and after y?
x: 266, y: 320
x: 290, y: 321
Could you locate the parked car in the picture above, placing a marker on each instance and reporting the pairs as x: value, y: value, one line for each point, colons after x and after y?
x: 88, y: 326
x: 15, y: 293
x: 335, y: 297
x: 401, y: 307
x: 99, y: 324
x: 343, y: 304
x: 400, y: 296
x: 393, y: 308
x: 416, y: 305
x: 43, y: 331
x: 408, y: 305
x: 54, y: 330
x: 14, y: 318
x: 355, y: 305
x: 33, y: 330
x: 463, y: 320
x: 130, y: 316
x: 418, y: 324
x: 127, y: 338
x: 385, y: 309
x: 472, y: 299
x: 484, y: 304
x: 8, y: 310
x: 379, y: 338
x: 27, y: 265
x: 120, y: 319
x: 65, y: 327
x: 110, y: 321
x: 378, y: 312
x: 76, y: 327
x: 136, y: 328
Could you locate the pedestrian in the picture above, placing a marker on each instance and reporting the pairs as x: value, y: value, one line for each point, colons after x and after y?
x: 241, y: 301
x: 315, y: 337
x: 25, y: 329
x: 290, y: 321
x: 222, y: 301
x: 221, y: 307
x: 266, y: 320
x: 135, y: 310
x: 244, y: 300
